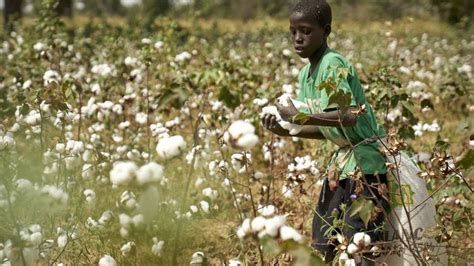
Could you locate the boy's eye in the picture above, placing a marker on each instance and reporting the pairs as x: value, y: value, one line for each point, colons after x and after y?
x: 305, y: 31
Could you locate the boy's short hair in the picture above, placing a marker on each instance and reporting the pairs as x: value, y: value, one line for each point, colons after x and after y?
x: 315, y: 10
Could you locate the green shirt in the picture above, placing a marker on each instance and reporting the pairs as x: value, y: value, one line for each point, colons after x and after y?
x: 366, y: 153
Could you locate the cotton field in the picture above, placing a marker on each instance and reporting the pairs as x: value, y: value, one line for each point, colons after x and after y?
x: 122, y: 147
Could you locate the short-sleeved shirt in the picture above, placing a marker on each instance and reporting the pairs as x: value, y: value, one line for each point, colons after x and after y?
x: 363, y: 134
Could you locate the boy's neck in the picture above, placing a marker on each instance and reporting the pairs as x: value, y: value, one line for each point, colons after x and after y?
x: 316, y: 57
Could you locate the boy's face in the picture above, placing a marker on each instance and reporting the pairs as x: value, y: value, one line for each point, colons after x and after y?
x: 308, y: 36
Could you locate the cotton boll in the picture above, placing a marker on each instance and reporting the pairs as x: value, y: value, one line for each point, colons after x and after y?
x: 197, y: 259
x: 286, y: 192
x: 199, y: 181
x: 247, y: 141
x: 267, y: 210
x: 141, y: 118
x: 158, y: 45
x: 62, y: 240
x: 258, y: 224
x: 151, y: 172
x: 235, y: 262
x: 105, y: 217
x: 51, y: 76
x: 127, y: 248
x: 23, y: 185
x: 246, y: 226
x: 103, y: 70
x: 33, y: 118
x: 210, y: 193
x: 286, y: 52
x: 184, y: 56
x: 122, y: 173
x: 128, y: 199
x: 138, y: 219
x: 194, y: 209
x: 241, y: 134
x: 157, y: 246
x: 272, y: 110
x: 287, y: 233
x: 36, y: 238
x: 273, y: 225
x: 123, y: 232
x: 343, y: 257
x: 260, y: 102
x: 352, y: 248
x: 125, y: 220
x: 90, y: 196
x: 361, y: 239
x: 204, y: 206
x: 240, y: 160
x: 107, y: 261
x: 170, y: 147
x: 87, y: 171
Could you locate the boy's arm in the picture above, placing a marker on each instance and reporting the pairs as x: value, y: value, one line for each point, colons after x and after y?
x: 326, y: 119
x: 331, y: 118
x: 308, y: 132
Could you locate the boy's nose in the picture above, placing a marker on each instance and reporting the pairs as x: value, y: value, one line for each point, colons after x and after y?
x: 298, y: 37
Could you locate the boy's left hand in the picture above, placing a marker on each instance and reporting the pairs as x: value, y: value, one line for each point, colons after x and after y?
x: 287, y: 112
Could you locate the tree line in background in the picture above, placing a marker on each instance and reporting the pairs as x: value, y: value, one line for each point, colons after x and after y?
x: 452, y: 11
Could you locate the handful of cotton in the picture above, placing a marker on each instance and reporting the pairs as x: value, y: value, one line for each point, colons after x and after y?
x: 272, y: 110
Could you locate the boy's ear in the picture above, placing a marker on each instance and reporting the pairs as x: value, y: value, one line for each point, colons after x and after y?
x: 327, y: 30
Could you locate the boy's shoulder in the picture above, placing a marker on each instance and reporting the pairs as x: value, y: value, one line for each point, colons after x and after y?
x: 334, y: 58
x: 331, y: 60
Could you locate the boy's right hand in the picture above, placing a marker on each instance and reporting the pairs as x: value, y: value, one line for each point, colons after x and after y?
x: 270, y: 122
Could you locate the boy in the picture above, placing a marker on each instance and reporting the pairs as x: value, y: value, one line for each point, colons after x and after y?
x: 310, y: 26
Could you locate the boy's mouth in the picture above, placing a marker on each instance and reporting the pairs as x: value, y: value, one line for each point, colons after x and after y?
x: 299, y: 49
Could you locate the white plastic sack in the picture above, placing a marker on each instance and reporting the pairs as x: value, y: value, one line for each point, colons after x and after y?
x: 405, y: 186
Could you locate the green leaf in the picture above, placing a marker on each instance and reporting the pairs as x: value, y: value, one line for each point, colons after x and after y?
x: 364, y: 208
x: 305, y: 256
x: 407, y: 111
x: 357, y: 206
x: 468, y: 160
x: 442, y: 145
x: 230, y: 99
x: 329, y: 85
x: 301, y: 118
x: 342, y: 72
x: 406, y: 133
x: 270, y: 246
x: 25, y: 108
x: 340, y: 99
